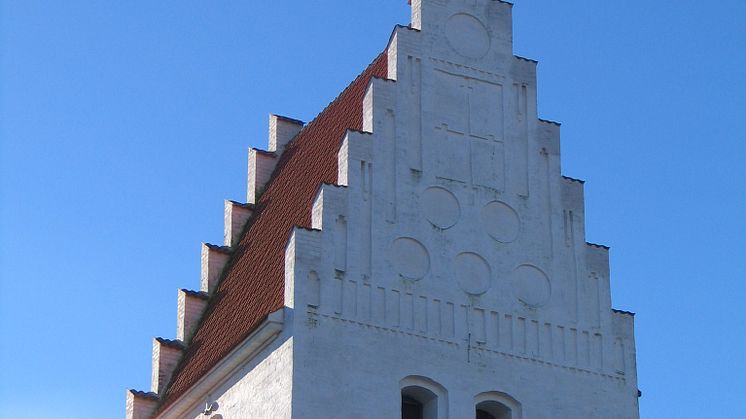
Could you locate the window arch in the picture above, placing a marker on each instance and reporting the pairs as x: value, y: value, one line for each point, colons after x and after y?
x: 496, y: 405
x: 423, y: 398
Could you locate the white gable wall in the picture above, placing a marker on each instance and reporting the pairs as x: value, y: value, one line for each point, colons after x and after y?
x: 455, y: 250
x: 452, y: 254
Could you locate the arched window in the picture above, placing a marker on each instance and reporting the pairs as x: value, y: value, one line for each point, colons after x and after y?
x: 496, y: 405
x: 411, y: 408
x: 493, y: 410
x: 423, y: 398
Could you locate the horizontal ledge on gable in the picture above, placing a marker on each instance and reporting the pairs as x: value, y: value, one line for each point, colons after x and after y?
x: 171, y: 343
x: 383, y: 79
x: 288, y: 119
x: 218, y: 248
x: 386, y: 79
x: 548, y: 121
x: 526, y: 59
x: 598, y: 246
x: 357, y: 131
x: 572, y: 179
x: 149, y: 395
x: 196, y: 294
x: 628, y: 313
x: 400, y: 26
x: 311, y: 229
x: 335, y: 185
x: 264, y: 152
x: 241, y: 204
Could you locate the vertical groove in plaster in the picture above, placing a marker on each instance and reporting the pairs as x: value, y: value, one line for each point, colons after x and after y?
x: 340, y: 241
x: 548, y: 194
x: 576, y: 302
x: 414, y: 66
x: 391, y: 188
x: 366, y: 176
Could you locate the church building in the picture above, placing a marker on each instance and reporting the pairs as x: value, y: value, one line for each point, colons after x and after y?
x: 413, y: 252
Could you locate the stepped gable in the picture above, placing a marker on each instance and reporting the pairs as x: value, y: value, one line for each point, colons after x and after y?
x: 253, y: 283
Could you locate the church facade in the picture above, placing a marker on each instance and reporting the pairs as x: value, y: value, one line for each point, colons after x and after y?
x: 412, y: 252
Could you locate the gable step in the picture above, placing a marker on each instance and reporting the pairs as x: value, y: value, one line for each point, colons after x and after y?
x: 282, y: 130
x: 235, y: 217
x: 166, y: 355
x: 214, y: 259
x: 140, y: 404
x: 191, y: 305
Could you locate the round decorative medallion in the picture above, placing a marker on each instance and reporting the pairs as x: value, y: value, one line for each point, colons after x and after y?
x: 410, y: 258
x: 440, y: 207
x: 472, y: 273
x: 467, y: 35
x: 500, y: 221
x: 531, y: 285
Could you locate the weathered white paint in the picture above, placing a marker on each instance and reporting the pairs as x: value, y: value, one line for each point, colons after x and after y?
x: 140, y: 405
x: 235, y: 216
x: 166, y: 355
x: 189, y: 311
x: 261, y: 165
x: 281, y: 131
x: 213, y: 262
x: 455, y: 255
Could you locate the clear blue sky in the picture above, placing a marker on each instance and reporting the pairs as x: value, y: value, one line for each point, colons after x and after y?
x: 124, y: 125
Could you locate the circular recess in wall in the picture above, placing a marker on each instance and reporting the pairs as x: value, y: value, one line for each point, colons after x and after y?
x: 411, y: 259
x: 467, y: 35
x: 530, y: 285
x: 500, y: 221
x: 472, y: 272
x: 440, y: 207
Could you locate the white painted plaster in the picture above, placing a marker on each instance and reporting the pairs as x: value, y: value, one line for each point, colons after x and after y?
x: 455, y: 252
x: 188, y: 314
x: 213, y: 260
x: 500, y: 296
x: 235, y: 216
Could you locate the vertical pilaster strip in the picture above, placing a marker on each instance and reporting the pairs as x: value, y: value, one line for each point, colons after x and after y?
x: 414, y: 65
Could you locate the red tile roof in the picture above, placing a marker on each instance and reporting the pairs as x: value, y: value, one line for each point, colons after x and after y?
x: 253, y: 285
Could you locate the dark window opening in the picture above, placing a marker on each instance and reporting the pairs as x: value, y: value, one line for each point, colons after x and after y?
x: 493, y: 410
x: 481, y: 414
x: 411, y: 408
x: 418, y: 403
